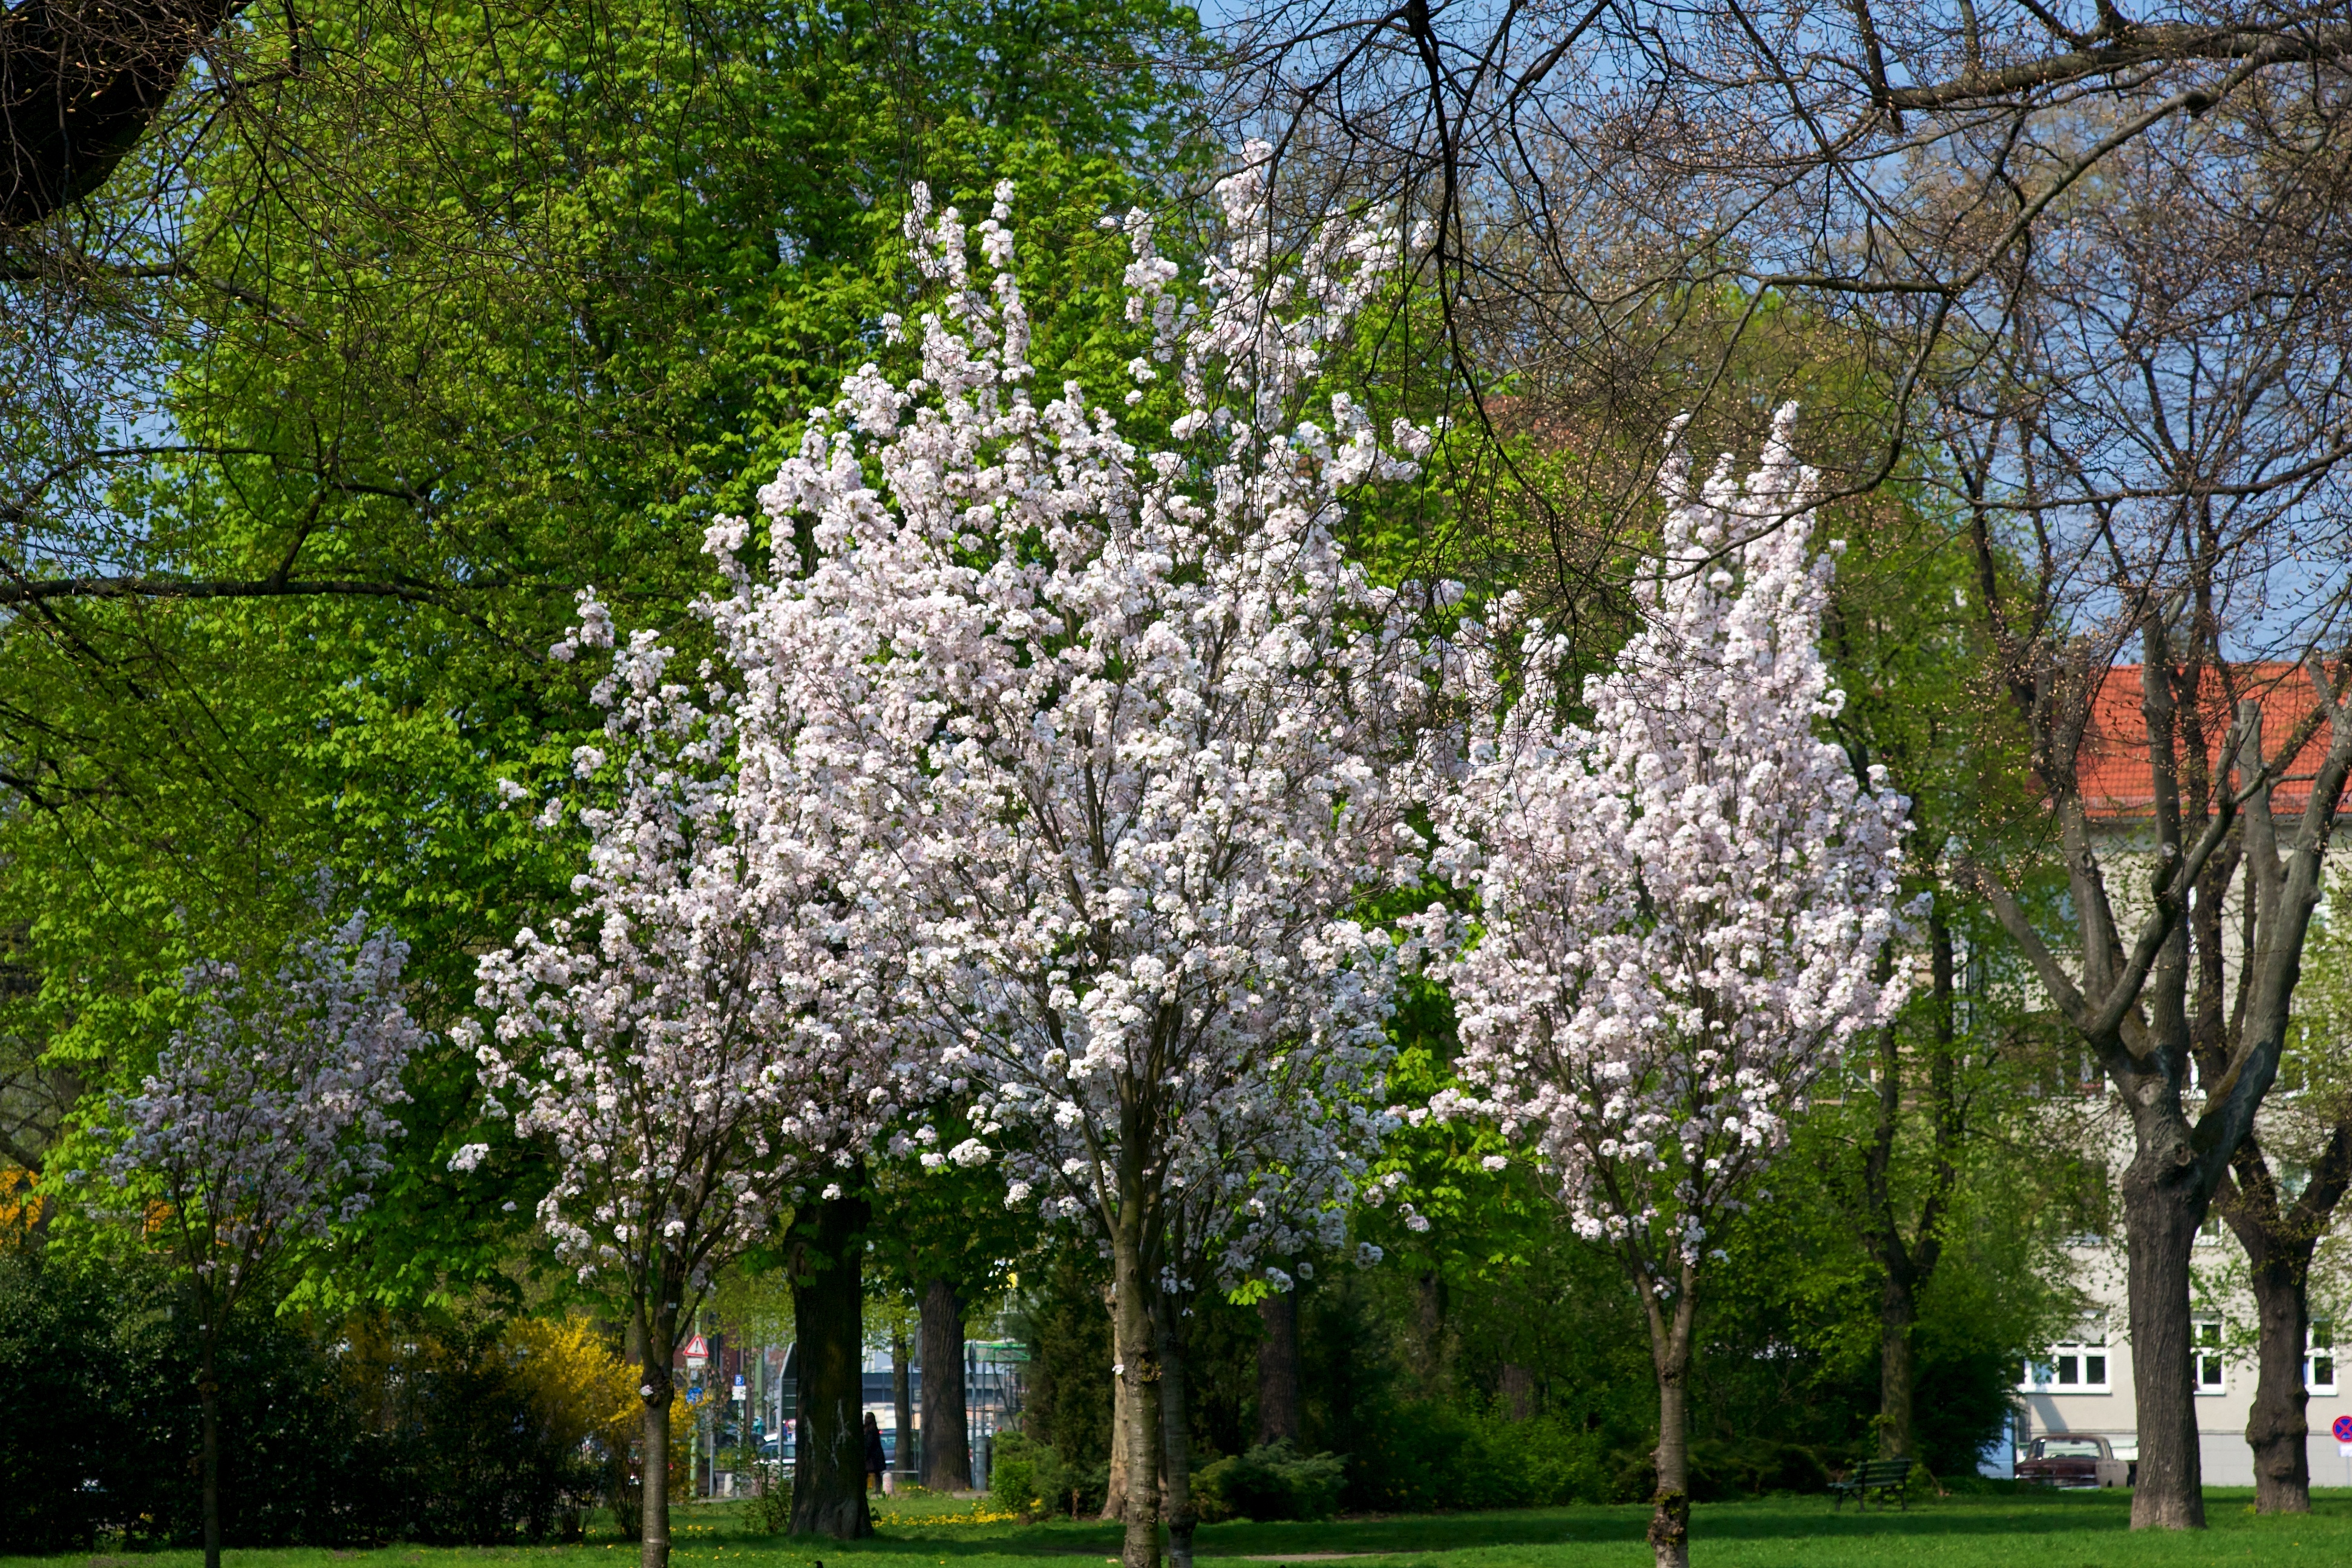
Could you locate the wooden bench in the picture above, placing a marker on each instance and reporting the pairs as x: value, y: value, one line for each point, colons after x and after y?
x: 1884, y: 1477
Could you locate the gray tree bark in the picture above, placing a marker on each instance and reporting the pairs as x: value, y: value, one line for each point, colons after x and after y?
x: 947, y: 1440
x: 1670, y: 1353
x: 1114, y: 1492
x: 653, y: 1335
x: 2279, y: 1238
x: 1139, y: 1375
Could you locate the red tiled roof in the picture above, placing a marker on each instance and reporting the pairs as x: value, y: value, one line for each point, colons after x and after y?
x: 2112, y: 765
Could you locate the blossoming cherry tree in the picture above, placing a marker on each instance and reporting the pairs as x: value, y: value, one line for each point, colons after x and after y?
x: 1682, y: 911
x: 688, y: 1043
x: 1104, y: 735
x: 262, y: 1126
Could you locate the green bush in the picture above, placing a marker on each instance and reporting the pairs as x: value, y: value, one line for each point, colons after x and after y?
x: 336, y: 1432
x: 1429, y: 1455
x: 1026, y: 1477
x: 1273, y: 1480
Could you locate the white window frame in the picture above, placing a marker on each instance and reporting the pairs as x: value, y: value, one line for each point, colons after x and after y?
x: 2066, y: 1367
x: 2319, y: 1357
x: 2209, y: 1363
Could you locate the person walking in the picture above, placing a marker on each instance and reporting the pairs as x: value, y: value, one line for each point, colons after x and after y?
x: 875, y: 1461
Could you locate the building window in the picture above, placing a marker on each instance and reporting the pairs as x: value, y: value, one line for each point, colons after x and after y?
x: 2078, y: 1365
x: 2319, y: 1366
x: 2205, y: 1351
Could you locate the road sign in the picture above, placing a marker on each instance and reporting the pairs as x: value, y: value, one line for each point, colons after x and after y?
x: 697, y: 1354
x: 741, y: 1393
x: 2343, y: 1429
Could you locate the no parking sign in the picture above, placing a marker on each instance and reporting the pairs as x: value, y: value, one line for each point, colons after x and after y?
x: 2343, y: 1430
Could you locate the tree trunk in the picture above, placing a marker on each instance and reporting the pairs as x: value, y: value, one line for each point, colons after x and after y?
x: 1277, y: 1368
x: 1517, y: 1384
x: 947, y: 1441
x: 653, y: 1490
x: 2161, y: 1212
x: 80, y: 85
x: 1176, y: 1436
x: 208, y: 1400
x: 1906, y: 1265
x: 1670, y: 1348
x: 1430, y: 1330
x: 1139, y: 1375
x: 828, y: 1302
x: 1115, y: 1493
x: 2278, y: 1246
x: 902, y: 1411
x: 1898, y: 1310
x: 2278, y: 1427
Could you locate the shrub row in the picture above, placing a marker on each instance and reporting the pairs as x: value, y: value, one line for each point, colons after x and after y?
x: 334, y: 1433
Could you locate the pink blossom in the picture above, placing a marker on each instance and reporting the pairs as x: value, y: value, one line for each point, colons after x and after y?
x: 1683, y: 909
x: 1101, y: 739
x: 265, y: 1119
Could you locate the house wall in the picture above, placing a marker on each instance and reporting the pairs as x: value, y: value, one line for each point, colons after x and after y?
x: 2045, y: 1408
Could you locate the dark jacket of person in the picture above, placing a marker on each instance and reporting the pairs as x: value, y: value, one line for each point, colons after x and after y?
x: 875, y: 1461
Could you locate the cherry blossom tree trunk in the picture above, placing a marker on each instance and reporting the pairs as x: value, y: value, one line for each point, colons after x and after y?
x: 208, y: 1400
x: 828, y: 1304
x: 653, y: 1505
x: 1138, y: 1376
x: 1670, y: 1348
x: 947, y: 1442
x: 1176, y: 1436
x: 654, y: 1336
x: 1277, y: 1368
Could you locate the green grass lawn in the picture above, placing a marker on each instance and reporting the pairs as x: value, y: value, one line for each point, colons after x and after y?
x: 2081, y: 1530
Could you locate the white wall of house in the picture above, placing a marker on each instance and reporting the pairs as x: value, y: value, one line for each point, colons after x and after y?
x: 2084, y: 1384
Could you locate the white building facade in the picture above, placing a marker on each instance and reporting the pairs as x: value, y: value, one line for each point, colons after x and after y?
x: 2084, y: 1384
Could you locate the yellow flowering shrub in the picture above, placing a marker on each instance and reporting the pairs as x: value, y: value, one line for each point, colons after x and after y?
x: 585, y: 1388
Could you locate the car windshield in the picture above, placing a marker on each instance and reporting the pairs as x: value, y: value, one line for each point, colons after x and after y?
x: 2069, y: 1449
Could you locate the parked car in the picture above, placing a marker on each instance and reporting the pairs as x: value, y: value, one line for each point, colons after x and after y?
x: 2072, y: 1459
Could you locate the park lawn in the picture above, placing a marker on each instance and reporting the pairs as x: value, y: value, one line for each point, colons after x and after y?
x: 2027, y: 1530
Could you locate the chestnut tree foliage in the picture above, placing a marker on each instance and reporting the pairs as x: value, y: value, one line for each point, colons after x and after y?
x: 1685, y: 910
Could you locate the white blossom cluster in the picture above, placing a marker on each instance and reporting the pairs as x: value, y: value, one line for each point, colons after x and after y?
x: 1682, y: 909
x: 1103, y: 738
x: 266, y: 1118
x: 1049, y: 771
x: 690, y: 1041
